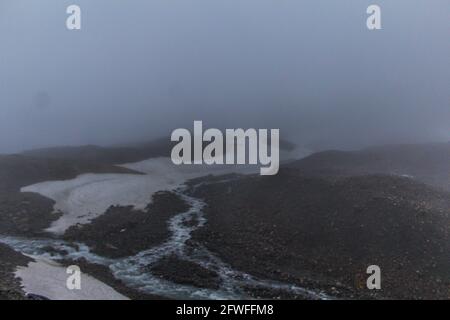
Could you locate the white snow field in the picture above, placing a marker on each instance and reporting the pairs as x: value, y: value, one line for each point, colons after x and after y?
x: 48, y: 279
x: 89, y: 195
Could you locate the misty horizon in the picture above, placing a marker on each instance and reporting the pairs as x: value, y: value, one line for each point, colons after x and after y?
x: 309, y: 68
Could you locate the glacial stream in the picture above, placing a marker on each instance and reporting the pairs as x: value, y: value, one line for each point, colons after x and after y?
x: 135, y: 271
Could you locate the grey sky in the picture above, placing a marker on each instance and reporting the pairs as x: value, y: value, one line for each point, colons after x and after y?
x: 139, y: 69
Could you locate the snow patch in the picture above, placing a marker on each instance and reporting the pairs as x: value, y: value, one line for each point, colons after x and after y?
x: 48, y: 279
x: 89, y: 195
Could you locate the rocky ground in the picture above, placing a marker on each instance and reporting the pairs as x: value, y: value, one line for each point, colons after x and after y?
x: 122, y: 231
x: 296, y: 228
x: 27, y: 214
x: 319, y: 223
x: 428, y: 163
x: 180, y: 271
x: 9, y: 284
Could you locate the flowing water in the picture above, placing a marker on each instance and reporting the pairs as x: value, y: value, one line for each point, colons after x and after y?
x: 135, y: 271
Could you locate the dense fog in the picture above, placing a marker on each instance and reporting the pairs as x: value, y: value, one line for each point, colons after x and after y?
x: 139, y: 69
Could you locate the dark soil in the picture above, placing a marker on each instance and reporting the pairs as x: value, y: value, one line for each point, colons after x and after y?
x: 429, y: 163
x: 10, y: 288
x: 291, y: 227
x: 25, y: 214
x: 106, y: 155
x: 185, y: 272
x: 122, y: 231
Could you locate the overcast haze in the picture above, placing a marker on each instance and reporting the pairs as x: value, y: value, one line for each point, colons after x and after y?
x: 139, y: 69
